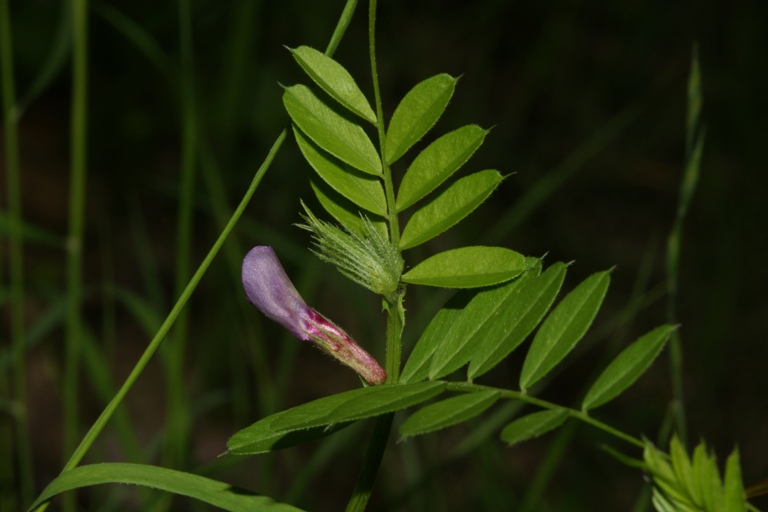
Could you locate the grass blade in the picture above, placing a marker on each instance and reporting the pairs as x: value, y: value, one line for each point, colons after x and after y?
x: 218, y: 494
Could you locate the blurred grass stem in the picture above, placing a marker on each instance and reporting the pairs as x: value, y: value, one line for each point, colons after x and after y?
x: 693, y: 151
x: 177, y: 416
x: 16, y: 255
x: 78, y: 162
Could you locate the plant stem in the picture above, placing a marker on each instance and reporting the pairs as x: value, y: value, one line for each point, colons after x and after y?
x: 76, y: 227
x: 393, y: 304
x: 13, y: 174
x: 693, y: 151
x: 341, y: 27
x: 466, y: 387
x: 173, y: 315
x: 109, y: 410
x: 394, y: 227
x: 378, y: 443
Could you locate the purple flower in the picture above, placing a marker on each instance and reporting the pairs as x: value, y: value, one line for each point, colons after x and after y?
x: 269, y: 289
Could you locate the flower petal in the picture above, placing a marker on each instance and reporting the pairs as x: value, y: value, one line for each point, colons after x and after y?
x: 269, y: 289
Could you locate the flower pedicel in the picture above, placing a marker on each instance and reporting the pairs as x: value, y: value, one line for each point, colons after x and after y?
x: 269, y: 289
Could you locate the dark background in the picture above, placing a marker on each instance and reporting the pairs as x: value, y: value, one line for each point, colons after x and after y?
x: 587, y: 104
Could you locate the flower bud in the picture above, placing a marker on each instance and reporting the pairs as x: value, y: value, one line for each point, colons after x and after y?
x: 269, y: 289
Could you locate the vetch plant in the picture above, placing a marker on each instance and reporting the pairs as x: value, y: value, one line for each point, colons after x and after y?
x: 368, y: 187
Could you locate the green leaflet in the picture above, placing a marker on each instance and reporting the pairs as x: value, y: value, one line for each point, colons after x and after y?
x: 437, y: 163
x: 417, y: 366
x: 682, y: 483
x: 683, y: 470
x: 356, y: 404
x: 362, y: 189
x: 218, y: 494
x: 533, y: 425
x: 467, y: 267
x: 448, y: 412
x: 331, y: 131
x: 418, y: 111
x: 516, y: 319
x: 449, y: 207
x: 563, y: 328
x: 627, y: 367
x: 260, y: 438
x: 733, y: 488
x: 707, y: 486
x: 458, y: 344
x: 344, y: 210
x: 334, y: 80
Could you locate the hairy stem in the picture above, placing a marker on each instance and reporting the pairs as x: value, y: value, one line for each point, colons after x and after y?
x: 393, y: 305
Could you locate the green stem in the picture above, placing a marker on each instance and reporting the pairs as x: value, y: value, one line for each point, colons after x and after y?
x: 173, y: 315
x: 341, y: 27
x: 393, y: 304
x: 466, y: 387
x: 378, y: 443
x: 76, y: 227
x: 693, y: 153
x: 13, y: 175
x: 394, y: 226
